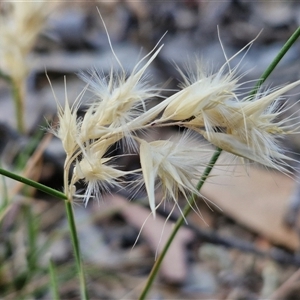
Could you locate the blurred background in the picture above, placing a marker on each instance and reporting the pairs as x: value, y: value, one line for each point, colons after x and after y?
x: 245, y: 244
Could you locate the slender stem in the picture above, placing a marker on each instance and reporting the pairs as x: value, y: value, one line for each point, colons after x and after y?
x: 4, y: 194
x: 208, y: 169
x: 276, y: 60
x: 34, y: 184
x: 18, y: 96
x: 18, y: 89
x: 73, y: 231
x: 76, y: 249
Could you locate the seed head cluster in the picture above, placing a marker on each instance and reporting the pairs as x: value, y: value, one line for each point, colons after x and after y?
x: 20, y: 23
x: 207, y: 104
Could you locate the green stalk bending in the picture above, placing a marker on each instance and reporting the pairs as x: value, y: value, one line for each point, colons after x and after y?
x: 34, y: 184
x: 208, y: 169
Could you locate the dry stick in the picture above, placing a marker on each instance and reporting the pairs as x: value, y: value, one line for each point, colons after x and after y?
x: 208, y: 169
x: 28, y: 170
x: 24, y: 180
x: 286, y: 286
x: 212, y: 237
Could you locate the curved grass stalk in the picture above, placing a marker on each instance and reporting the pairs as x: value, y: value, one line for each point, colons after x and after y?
x: 34, y: 184
x: 210, y: 166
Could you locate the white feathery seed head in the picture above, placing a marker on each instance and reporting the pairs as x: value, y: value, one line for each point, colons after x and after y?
x: 177, y: 165
x: 68, y: 126
x: 118, y: 98
x: 19, y: 28
x: 200, y: 92
x: 252, y: 131
x: 96, y: 173
x: 207, y: 104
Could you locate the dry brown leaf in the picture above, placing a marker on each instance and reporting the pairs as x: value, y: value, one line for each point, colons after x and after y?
x: 256, y: 198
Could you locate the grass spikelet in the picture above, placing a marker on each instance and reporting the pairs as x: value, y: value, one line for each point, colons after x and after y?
x: 176, y: 164
x: 252, y: 129
x: 68, y: 126
x: 19, y: 28
x: 20, y: 24
x: 119, y: 98
x: 200, y: 92
x: 96, y: 173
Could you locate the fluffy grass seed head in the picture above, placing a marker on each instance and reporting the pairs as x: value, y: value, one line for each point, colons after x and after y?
x: 177, y: 165
x: 68, y: 127
x: 118, y: 99
x: 201, y: 92
x: 96, y: 173
x: 252, y: 129
x: 20, y: 25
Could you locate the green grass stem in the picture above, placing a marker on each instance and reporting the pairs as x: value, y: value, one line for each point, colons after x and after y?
x: 5, y: 201
x: 18, y: 89
x: 34, y: 184
x: 76, y: 249
x: 276, y: 61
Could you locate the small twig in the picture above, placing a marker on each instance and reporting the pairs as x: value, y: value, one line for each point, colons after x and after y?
x: 286, y: 287
x: 33, y: 160
x: 213, y: 237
